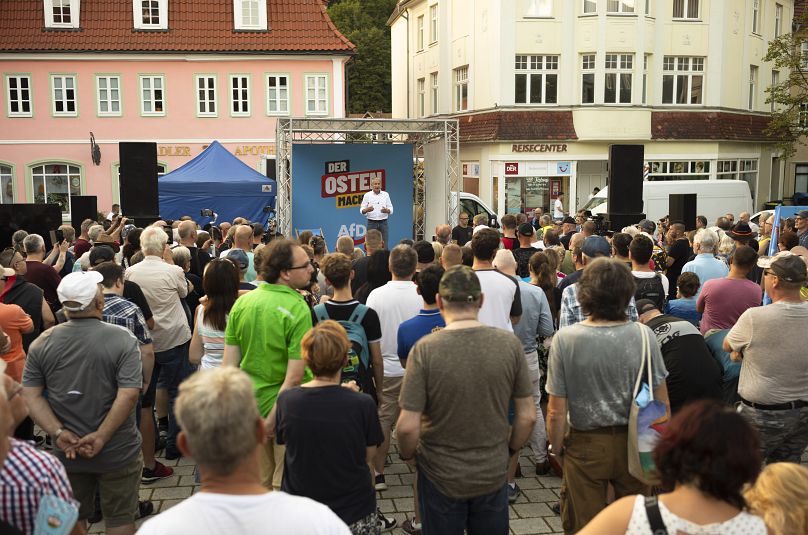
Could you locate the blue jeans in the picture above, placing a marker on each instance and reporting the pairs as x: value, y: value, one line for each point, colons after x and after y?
x: 171, y: 367
x: 381, y: 226
x: 442, y: 515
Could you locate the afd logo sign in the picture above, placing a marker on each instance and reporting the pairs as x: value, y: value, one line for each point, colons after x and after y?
x: 356, y: 231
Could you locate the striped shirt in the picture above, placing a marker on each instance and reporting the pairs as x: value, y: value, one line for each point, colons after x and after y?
x: 26, y: 477
x: 212, y: 341
x: 124, y: 313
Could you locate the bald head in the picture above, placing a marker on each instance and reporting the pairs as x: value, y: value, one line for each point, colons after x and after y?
x: 505, y: 262
x: 443, y: 233
x: 242, y: 239
x: 187, y: 231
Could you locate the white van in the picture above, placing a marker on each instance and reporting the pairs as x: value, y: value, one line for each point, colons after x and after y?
x: 714, y: 198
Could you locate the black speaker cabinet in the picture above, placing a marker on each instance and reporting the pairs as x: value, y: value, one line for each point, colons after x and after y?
x: 272, y: 172
x: 138, y: 182
x: 625, y: 179
x: 682, y: 209
x: 34, y: 218
x: 618, y: 222
x: 82, y: 207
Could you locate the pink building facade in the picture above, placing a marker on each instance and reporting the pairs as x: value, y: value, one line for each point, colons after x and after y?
x: 199, y: 79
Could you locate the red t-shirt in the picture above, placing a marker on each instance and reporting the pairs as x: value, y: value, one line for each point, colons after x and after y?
x: 724, y: 300
x: 81, y: 246
x: 46, y: 278
x: 510, y: 243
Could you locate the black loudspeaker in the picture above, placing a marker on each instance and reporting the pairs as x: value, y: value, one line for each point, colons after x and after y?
x: 82, y: 207
x: 272, y: 172
x: 618, y: 222
x: 138, y: 180
x: 34, y: 218
x: 682, y: 209
x: 625, y: 179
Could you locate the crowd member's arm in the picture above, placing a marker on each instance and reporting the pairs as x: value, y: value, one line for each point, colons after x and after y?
x: 24, y: 322
x: 378, y: 366
x: 196, y: 349
x: 516, y: 306
x: 232, y: 355
x: 48, y: 319
x: 294, y: 375
x: 739, y: 337
x: 523, y: 422
x: 556, y: 423
x: 91, y: 445
x: 613, y: 520
x: 60, y: 262
x: 408, y: 432
x: 147, y: 358
x: 43, y: 415
x: 545, y: 326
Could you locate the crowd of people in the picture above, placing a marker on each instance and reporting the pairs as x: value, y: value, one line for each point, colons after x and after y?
x: 286, y: 372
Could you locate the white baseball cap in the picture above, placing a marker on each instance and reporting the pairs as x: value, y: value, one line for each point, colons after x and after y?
x: 80, y: 287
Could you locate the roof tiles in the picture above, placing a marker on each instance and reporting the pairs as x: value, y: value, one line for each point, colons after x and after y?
x: 690, y: 125
x: 517, y: 125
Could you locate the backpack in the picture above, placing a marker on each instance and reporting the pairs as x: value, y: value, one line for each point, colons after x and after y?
x: 652, y: 289
x: 359, y: 367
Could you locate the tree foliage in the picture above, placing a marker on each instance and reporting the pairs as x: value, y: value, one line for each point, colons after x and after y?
x: 364, y: 22
x: 789, y: 120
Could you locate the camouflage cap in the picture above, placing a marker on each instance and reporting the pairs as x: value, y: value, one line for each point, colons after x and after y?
x: 459, y: 284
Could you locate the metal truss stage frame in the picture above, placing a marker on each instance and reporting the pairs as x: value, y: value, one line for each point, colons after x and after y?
x: 420, y: 133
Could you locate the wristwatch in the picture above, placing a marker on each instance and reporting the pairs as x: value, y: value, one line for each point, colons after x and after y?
x: 57, y: 433
x: 559, y: 454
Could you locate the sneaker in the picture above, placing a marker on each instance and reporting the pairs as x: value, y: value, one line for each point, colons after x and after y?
x: 385, y: 523
x: 160, y: 471
x: 556, y: 508
x: 542, y: 469
x: 172, y: 453
x: 513, y: 492
x: 411, y: 526
x: 144, y: 508
x: 380, y: 484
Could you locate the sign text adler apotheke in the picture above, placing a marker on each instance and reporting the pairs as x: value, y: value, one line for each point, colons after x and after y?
x: 541, y: 147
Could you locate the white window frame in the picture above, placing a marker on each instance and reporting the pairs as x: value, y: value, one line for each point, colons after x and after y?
x: 461, y: 88
x: 321, y: 106
x: 244, y: 83
x: 775, y: 81
x: 536, y: 68
x: 622, y: 8
x: 63, y: 80
x: 152, y: 90
x: 100, y: 98
x: 778, y: 20
x: 588, y: 64
x: 623, y: 65
x: 687, y: 10
x: 238, y: 18
x: 802, y: 115
x: 162, y: 15
x: 801, y: 177
x: 645, y: 78
x: 419, y: 33
x: 753, y: 84
x: 676, y: 72
x: 756, y: 17
x: 6, y: 177
x: 421, y: 96
x: 589, y: 7
x: 287, y: 103
x: 72, y: 171
x: 434, y: 94
x: 206, y: 100
x: 539, y: 9
x: 679, y: 170
x: 19, y: 101
x: 804, y: 54
x: 433, y: 23
x: 73, y: 9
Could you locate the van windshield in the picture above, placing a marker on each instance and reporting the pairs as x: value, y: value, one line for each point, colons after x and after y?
x: 594, y: 202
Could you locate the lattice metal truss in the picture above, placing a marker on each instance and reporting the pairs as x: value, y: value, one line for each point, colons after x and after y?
x: 372, y: 131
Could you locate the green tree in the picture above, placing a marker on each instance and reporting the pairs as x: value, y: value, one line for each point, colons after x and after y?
x: 364, y: 22
x: 789, y: 120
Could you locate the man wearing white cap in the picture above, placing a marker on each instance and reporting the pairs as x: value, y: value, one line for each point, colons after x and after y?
x: 93, y: 375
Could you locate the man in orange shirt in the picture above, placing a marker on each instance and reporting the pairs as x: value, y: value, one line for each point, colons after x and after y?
x: 14, y: 322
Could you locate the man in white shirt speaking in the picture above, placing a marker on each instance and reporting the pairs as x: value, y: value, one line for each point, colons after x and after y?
x: 377, y: 207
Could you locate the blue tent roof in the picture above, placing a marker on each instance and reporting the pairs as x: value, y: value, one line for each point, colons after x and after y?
x: 219, y: 181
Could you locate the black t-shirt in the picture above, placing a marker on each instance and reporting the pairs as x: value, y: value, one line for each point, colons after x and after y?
x: 461, y: 236
x: 522, y: 256
x: 132, y: 292
x: 565, y: 239
x: 326, y: 431
x: 693, y: 373
x: 360, y: 267
x: 342, y: 310
x: 680, y: 251
x: 199, y: 259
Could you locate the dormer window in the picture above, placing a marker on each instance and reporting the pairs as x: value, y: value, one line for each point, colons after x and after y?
x: 250, y: 14
x: 61, y: 13
x: 150, y: 14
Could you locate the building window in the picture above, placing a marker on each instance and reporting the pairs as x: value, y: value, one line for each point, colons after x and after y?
x: 108, y: 93
x: 316, y: 94
x: 206, y: 95
x: 6, y: 185
x: 804, y: 54
x: 540, y: 9
x: 801, y: 178
x: 433, y: 82
x: 753, y: 77
x: 55, y: 183
x: 250, y: 14
x: 433, y: 23
x: 679, y: 170
x: 588, y: 79
x: 277, y: 94
x: 421, y: 94
x: 239, y: 95
x: 619, y: 6
x: 617, y: 83
x: 775, y: 81
x: 152, y: 95
x: 536, y: 79
x: 420, y: 32
x: 682, y: 80
x: 755, y: 16
x: 778, y: 20
x: 18, y: 92
x: 61, y: 13
x: 738, y: 170
x: 685, y: 9
x: 150, y: 14
x: 461, y: 89
x: 644, y: 78
x: 590, y: 6
x: 64, y: 95
x: 802, y: 117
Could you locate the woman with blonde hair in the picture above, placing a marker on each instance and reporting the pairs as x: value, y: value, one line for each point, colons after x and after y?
x: 780, y: 496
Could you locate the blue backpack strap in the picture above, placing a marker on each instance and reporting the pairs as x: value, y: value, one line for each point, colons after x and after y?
x: 321, y: 312
x: 358, y: 315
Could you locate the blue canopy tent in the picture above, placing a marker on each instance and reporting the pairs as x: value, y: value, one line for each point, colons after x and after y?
x: 218, y: 181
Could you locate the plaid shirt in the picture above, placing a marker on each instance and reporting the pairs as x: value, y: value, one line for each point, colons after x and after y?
x: 119, y: 311
x: 26, y: 477
x: 571, y: 312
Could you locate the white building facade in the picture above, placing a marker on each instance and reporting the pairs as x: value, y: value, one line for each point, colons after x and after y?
x: 543, y: 87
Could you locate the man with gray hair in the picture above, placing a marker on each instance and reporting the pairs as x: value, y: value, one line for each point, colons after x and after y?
x: 93, y: 374
x: 705, y: 264
x: 40, y: 273
x: 199, y: 258
x: 223, y: 431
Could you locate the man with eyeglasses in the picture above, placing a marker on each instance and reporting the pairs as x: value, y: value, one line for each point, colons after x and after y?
x: 461, y: 234
x: 801, y: 224
x: 263, y: 335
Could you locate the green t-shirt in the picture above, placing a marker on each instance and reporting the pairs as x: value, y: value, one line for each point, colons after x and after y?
x: 268, y: 324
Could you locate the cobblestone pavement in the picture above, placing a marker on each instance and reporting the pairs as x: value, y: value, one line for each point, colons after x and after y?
x: 531, y: 514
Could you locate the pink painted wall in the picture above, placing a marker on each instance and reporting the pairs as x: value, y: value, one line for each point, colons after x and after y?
x: 67, y: 138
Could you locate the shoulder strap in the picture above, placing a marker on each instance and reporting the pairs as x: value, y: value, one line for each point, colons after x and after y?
x: 358, y: 315
x: 321, y: 312
x: 654, y: 516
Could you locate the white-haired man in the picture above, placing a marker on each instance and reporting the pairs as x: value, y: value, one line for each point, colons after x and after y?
x: 706, y: 265
x: 223, y: 431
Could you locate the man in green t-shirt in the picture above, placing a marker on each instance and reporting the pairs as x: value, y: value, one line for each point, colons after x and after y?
x: 263, y: 336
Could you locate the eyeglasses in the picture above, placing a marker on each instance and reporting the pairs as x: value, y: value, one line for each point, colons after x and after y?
x: 304, y: 266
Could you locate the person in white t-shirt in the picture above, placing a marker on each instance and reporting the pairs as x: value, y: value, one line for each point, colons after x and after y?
x: 222, y: 431
x: 395, y: 302
x: 558, y: 207
x: 502, y: 304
